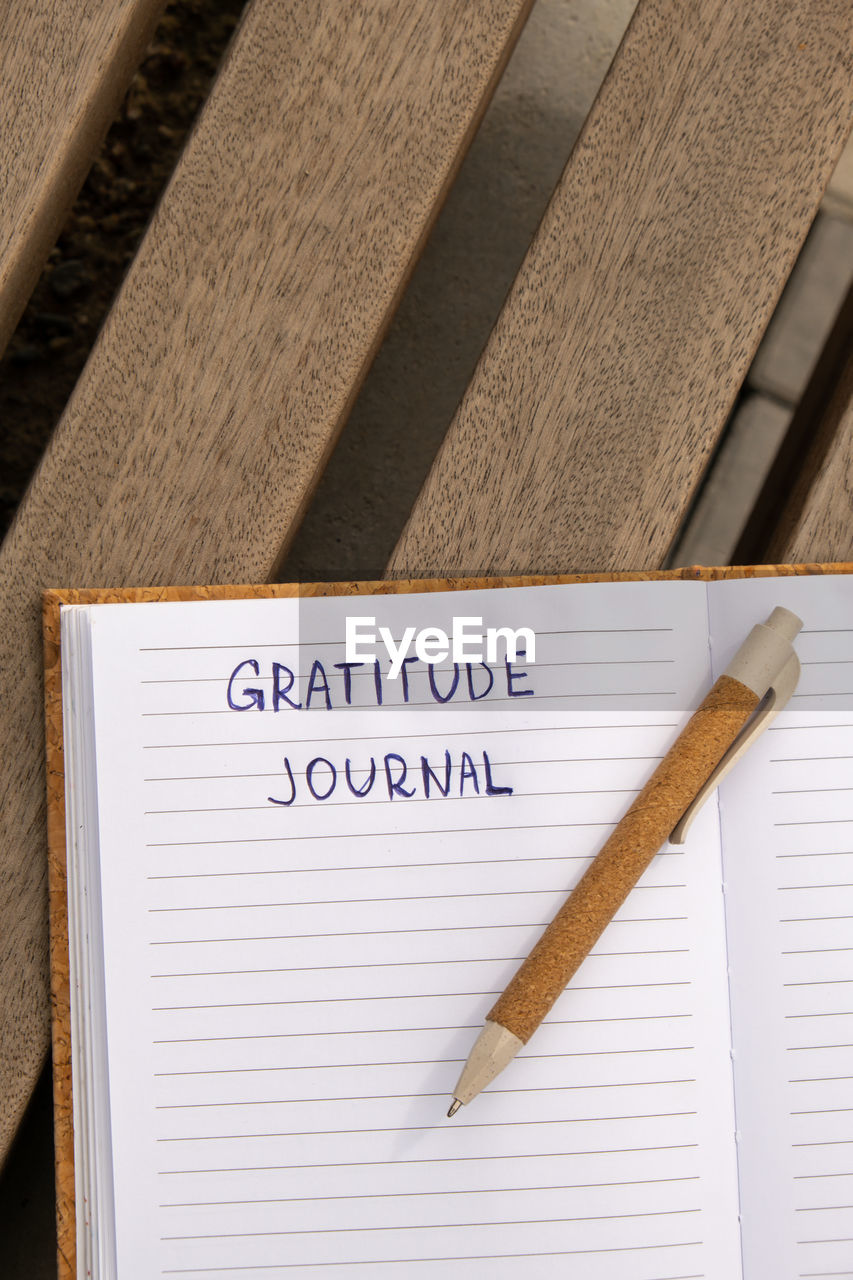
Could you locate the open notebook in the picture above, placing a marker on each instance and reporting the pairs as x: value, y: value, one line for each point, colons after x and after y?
x: 287, y: 925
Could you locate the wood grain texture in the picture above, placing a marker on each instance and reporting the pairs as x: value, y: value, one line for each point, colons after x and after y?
x: 818, y: 516
x: 806, y: 503
x: 64, y: 65
x: 52, y: 602
x: 230, y: 359
x: 629, y: 329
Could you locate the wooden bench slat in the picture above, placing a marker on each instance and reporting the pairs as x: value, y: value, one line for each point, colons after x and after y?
x: 631, y: 325
x: 805, y: 508
x: 814, y: 519
x: 231, y: 357
x: 823, y: 527
x: 64, y: 66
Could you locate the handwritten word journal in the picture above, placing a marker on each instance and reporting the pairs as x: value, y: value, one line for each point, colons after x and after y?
x: 296, y: 884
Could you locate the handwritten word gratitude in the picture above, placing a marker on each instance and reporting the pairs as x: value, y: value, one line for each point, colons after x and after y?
x: 327, y: 688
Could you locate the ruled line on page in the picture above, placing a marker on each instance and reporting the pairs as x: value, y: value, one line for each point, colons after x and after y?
x: 517, y: 764
x: 822, y: 693
x: 800, y: 1048
x: 412, y: 995
x: 421, y: 1062
x: 306, y: 642
x: 797, y: 888
x: 423, y: 1128
x: 815, y: 951
x: 389, y: 1097
x: 817, y: 1079
x: 406, y: 964
x: 809, y: 791
x: 427, y: 897
x: 794, y: 728
x: 384, y: 866
x: 429, y: 1160
x: 823, y: 1111
x: 829, y: 1240
x: 417, y: 897
x: 418, y: 1160
x: 818, y: 853
x: 827, y: 662
x: 821, y: 1013
x: 266, y: 1004
x: 496, y: 731
x: 437, y: 668
x: 402, y: 964
x: 479, y: 1257
x: 814, y: 822
x: 435, y: 1226
x: 373, y: 835
x: 462, y: 1191
x: 300, y: 773
x: 379, y: 1031
x: 493, y: 701
x: 387, y: 933
x: 363, y: 803
x: 812, y: 919
x: 830, y: 1142
x: 819, y: 982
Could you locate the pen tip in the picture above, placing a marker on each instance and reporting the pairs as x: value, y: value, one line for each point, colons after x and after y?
x: 454, y: 1107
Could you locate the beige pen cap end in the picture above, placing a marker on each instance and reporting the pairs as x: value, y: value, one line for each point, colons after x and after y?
x: 494, y: 1049
x: 787, y: 624
x: 767, y: 652
x: 767, y: 664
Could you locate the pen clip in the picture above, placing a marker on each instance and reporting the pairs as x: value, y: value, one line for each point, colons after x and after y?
x: 776, y: 695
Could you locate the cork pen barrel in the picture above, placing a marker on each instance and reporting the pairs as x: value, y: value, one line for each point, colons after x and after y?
x: 624, y: 857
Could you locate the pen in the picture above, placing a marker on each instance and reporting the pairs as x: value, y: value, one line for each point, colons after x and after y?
x: 754, y: 687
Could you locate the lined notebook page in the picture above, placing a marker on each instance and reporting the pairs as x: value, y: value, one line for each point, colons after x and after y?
x: 292, y: 989
x: 787, y: 832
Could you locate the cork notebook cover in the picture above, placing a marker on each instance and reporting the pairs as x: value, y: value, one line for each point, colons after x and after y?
x: 53, y: 600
